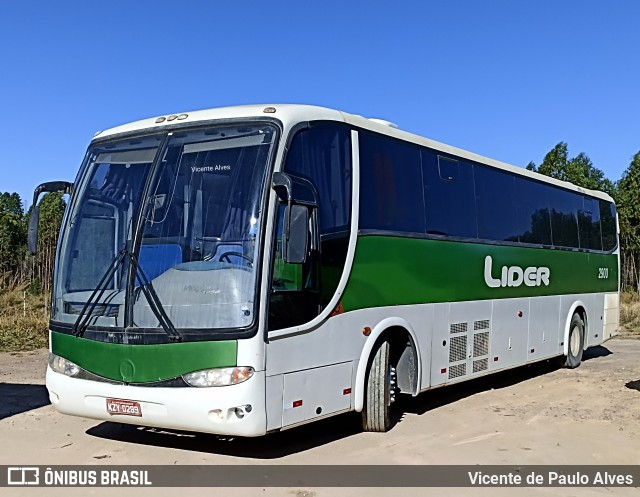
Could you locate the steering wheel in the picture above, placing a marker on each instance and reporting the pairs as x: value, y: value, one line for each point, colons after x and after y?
x: 226, y: 257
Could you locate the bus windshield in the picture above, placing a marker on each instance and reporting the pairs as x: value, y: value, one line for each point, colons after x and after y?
x: 187, y: 206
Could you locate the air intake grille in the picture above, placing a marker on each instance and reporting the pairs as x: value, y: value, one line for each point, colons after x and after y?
x: 457, y: 370
x: 458, y: 328
x: 481, y: 344
x: 458, y: 349
x: 481, y: 325
x: 480, y: 365
x: 469, y: 347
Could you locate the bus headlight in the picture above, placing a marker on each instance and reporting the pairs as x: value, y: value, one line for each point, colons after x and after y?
x: 219, y: 377
x: 63, y: 366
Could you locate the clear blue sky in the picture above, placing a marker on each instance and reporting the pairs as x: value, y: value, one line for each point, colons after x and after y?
x: 507, y: 79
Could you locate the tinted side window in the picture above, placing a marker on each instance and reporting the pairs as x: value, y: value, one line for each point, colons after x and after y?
x: 608, y: 223
x: 449, y: 196
x: 497, y: 217
x: 564, y: 217
x: 322, y: 155
x: 589, y: 225
x: 534, y: 221
x: 391, y: 196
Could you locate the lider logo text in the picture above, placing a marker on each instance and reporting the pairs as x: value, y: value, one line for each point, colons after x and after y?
x: 515, y: 275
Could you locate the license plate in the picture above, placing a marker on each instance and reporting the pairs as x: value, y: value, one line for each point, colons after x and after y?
x: 124, y: 407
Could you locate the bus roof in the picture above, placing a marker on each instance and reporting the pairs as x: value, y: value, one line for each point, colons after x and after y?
x: 290, y: 114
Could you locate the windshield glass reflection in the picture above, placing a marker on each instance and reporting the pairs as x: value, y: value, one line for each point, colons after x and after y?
x: 200, y: 227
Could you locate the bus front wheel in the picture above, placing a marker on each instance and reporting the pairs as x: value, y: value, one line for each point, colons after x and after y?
x: 378, y: 395
x: 575, y: 345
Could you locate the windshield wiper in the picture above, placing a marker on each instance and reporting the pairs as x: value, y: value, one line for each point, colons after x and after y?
x: 154, y: 301
x: 84, y: 317
x: 145, y: 285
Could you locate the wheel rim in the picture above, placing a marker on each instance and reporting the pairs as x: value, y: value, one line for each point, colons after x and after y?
x: 575, y: 341
x: 392, y: 378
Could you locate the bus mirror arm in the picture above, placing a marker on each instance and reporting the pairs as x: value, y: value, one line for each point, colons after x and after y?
x: 34, y: 218
x: 281, y: 184
x: 294, y: 190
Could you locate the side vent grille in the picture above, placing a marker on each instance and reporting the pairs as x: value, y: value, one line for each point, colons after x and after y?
x: 458, y: 349
x: 458, y: 328
x: 469, y: 348
x: 481, y: 325
x: 457, y: 370
x: 480, y: 365
x: 481, y: 344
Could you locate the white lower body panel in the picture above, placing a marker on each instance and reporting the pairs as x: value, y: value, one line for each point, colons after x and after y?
x: 208, y: 410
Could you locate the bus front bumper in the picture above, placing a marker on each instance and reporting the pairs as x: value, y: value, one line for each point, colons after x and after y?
x: 237, y: 410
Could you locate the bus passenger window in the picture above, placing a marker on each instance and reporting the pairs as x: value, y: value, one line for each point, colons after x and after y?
x: 495, y: 202
x: 449, y: 196
x: 391, y: 197
x: 589, y: 225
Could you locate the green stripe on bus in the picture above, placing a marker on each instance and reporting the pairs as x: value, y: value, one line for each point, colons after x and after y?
x: 143, y: 363
x: 399, y: 271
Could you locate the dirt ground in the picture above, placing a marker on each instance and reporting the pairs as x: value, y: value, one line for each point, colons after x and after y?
x: 532, y: 415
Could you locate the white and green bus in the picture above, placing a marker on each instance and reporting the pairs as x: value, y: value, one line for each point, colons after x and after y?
x: 248, y: 269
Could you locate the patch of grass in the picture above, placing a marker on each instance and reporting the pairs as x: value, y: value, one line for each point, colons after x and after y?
x: 630, y: 314
x: 22, y: 327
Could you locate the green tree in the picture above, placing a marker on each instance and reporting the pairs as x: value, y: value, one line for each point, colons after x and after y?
x: 12, y: 239
x: 578, y: 170
x: 628, y: 205
x: 52, y: 208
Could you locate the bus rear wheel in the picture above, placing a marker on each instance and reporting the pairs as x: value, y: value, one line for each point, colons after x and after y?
x: 380, y: 392
x: 575, y: 345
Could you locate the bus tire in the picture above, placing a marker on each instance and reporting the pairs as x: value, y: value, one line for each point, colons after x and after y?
x: 575, y: 344
x: 376, y: 410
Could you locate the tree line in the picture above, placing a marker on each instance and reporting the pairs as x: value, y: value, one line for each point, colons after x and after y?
x: 580, y: 171
x: 19, y: 269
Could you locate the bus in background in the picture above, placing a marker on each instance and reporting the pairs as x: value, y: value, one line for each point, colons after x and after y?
x: 248, y: 269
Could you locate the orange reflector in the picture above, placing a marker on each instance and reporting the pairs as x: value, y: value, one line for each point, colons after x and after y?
x: 297, y: 403
x: 366, y: 331
x: 338, y: 309
x: 346, y: 391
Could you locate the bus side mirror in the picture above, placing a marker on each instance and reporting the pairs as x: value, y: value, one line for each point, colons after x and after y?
x: 302, y: 199
x: 34, y: 218
x: 32, y: 233
x: 295, y: 243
